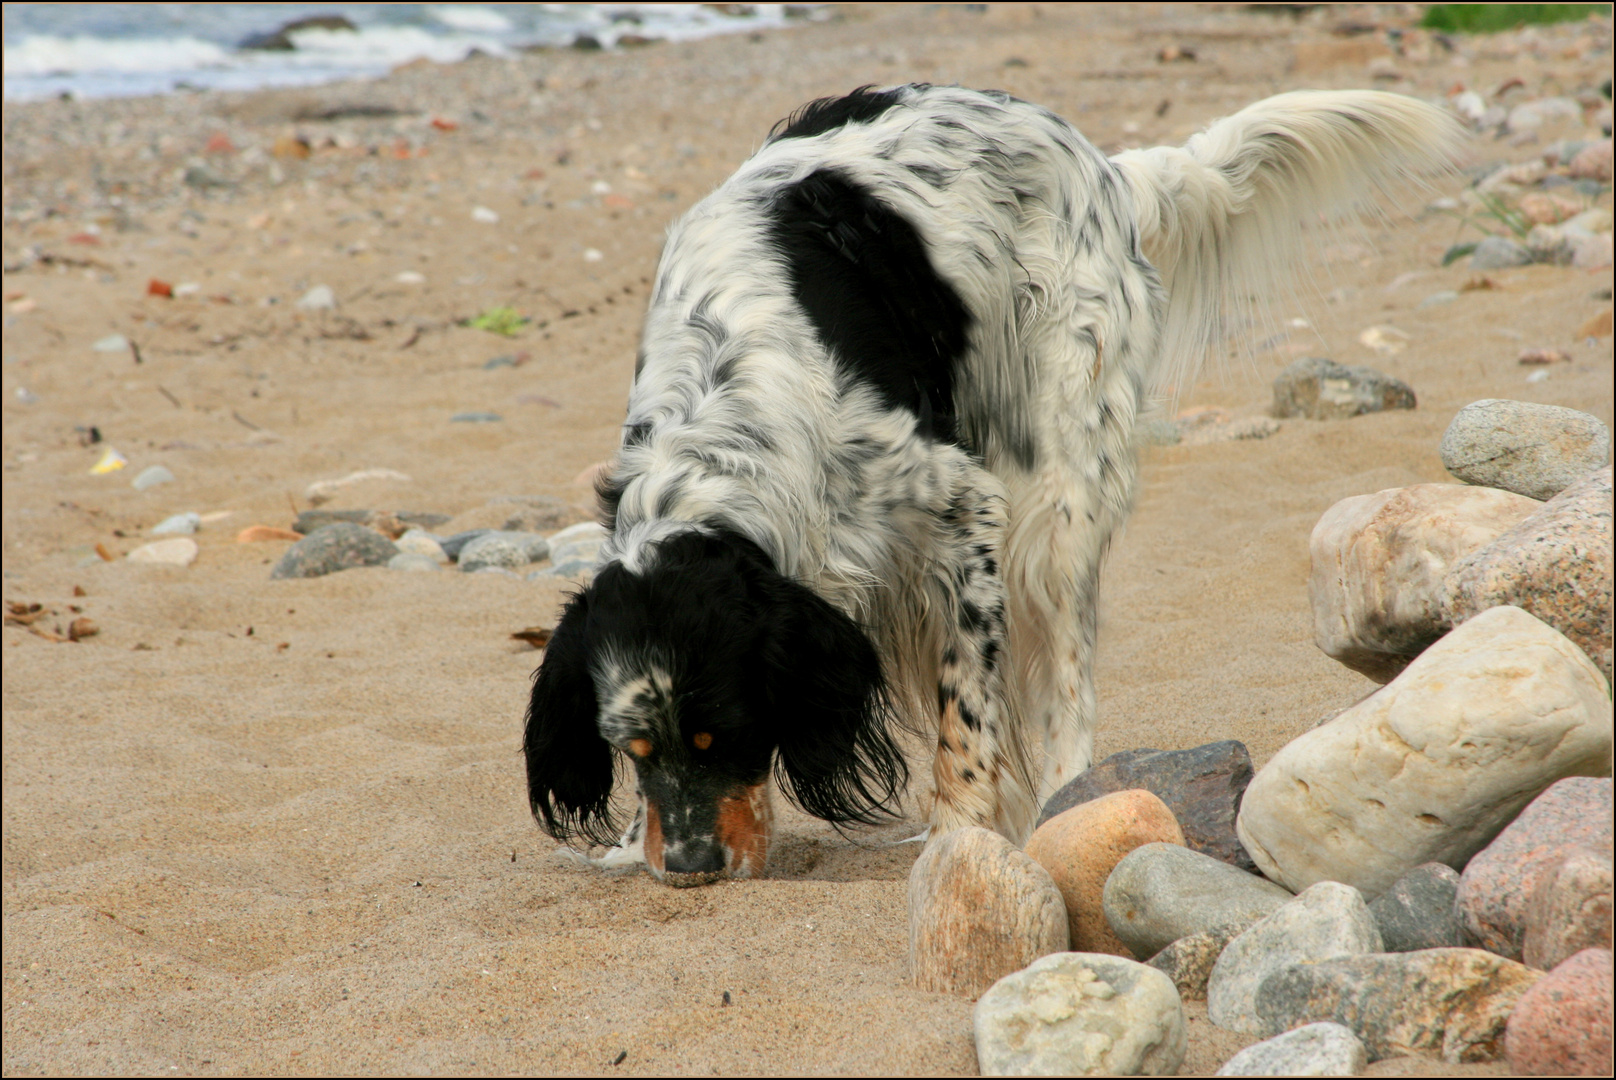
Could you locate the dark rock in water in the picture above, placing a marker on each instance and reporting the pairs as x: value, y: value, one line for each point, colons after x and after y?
x: 1417, y: 911
x: 1322, y: 389
x: 587, y: 43
x: 1201, y: 786
x: 281, y: 40
x: 452, y: 545
x: 338, y: 546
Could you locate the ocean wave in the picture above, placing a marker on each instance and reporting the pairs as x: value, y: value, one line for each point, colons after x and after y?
x: 47, y: 54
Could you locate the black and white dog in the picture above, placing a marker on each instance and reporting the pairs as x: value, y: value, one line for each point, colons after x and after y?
x: 880, y: 433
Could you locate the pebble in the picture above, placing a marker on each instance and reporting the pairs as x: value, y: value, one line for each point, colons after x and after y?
x: 1499, y: 253
x: 410, y: 277
x: 1324, y: 921
x: 979, y: 909
x: 1520, y: 446
x: 1189, y: 960
x: 150, y: 477
x: 1417, y: 911
x: 1201, y: 786
x: 412, y: 560
x: 112, y: 343
x: 1081, y: 846
x: 505, y: 550
x: 1498, y: 883
x: 319, y: 298
x: 1557, y: 564
x: 181, y: 551
x: 1376, y: 586
x: 476, y: 418
x: 1593, y: 162
x: 1081, y: 1014
x: 484, y: 215
x: 1562, y: 1025
x: 452, y: 545
x: 323, y: 491
x: 421, y: 542
x: 1451, y: 1001
x: 179, y: 525
x: 1321, y: 1049
x: 257, y: 534
x: 1322, y: 389
x: 1160, y: 893
x: 1432, y: 766
x: 1569, y: 909
x: 341, y: 545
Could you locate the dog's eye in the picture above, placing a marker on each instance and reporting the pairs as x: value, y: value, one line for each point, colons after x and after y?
x: 702, y: 740
x: 640, y: 747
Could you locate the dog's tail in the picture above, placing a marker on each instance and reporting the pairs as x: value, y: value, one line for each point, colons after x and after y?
x: 1221, y: 217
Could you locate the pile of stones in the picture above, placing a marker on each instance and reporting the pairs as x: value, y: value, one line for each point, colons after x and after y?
x: 1426, y: 872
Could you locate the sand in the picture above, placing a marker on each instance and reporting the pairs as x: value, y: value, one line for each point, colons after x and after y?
x: 260, y: 826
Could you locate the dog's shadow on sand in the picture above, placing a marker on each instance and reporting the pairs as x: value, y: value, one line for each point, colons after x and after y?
x: 857, y: 857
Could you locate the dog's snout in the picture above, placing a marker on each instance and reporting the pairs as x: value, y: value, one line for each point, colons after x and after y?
x: 694, y: 862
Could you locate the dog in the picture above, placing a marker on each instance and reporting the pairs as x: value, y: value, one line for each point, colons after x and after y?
x: 880, y: 433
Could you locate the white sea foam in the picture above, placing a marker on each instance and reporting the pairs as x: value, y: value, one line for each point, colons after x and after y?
x: 470, y: 19
x: 50, y: 55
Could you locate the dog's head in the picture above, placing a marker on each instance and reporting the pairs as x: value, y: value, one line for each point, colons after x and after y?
x: 706, y: 667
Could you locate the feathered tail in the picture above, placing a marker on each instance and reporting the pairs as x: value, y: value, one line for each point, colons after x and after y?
x: 1221, y: 217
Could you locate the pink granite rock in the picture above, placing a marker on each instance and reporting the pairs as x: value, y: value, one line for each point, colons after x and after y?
x: 1498, y: 883
x: 1569, y: 910
x: 1561, y: 1026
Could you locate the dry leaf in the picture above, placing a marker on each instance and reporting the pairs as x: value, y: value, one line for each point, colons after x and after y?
x: 536, y: 636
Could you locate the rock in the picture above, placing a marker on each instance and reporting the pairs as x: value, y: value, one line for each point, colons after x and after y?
x: 1430, y: 767
x: 1160, y: 893
x: 180, y: 551
x: 257, y: 534
x: 319, y: 298
x: 1202, y: 787
x: 1533, y: 450
x: 979, y: 909
x: 1081, y: 1014
x: 150, y: 477
x: 506, y: 550
x: 421, y: 542
x: 1080, y: 847
x: 412, y: 560
x: 323, y: 491
x: 1322, y: 389
x: 281, y: 40
x: 1496, y: 886
x: 342, y: 545
x: 1569, y: 909
x: 1562, y: 1025
x: 1378, y: 563
x: 1499, y: 253
x: 1557, y: 564
x: 1452, y: 1001
x: 1417, y: 911
x: 453, y: 545
x: 1189, y: 960
x: 380, y: 520
x: 179, y: 525
x: 1322, y: 1049
x: 111, y: 343
x: 1592, y: 162
x: 1327, y: 920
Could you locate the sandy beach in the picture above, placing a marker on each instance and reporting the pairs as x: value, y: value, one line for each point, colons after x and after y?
x: 256, y: 826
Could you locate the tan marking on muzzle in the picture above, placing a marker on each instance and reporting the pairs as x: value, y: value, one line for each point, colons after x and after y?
x: 745, y: 823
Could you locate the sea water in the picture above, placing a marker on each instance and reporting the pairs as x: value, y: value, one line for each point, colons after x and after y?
x: 121, y: 50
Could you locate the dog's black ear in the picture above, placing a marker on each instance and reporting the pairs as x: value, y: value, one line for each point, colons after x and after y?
x: 570, y: 767
x: 824, y: 695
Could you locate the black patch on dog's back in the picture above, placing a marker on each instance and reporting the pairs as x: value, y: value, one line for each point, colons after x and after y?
x: 862, y: 274
x: 827, y: 114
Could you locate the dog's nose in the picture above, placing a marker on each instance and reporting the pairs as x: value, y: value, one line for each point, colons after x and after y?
x: 694, y: 862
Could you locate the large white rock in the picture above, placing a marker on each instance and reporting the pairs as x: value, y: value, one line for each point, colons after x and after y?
x: 1379, y: 562
x: 1326, y: 921
x: 1081, y: 1014
x: 1432, y: 766
x: 1537, y: 450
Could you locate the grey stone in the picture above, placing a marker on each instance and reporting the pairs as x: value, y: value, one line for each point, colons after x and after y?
x: 1451, y: 1001
x: 1321, y: 1049
x: 454, y: 545
x: 421, y: 542
x: 1322, y: 389
x: 1189, y: 960
x: 1569, y: 909
x: 1201, y: 786
x: 1159, y: 893
x: 1081, y: 1014
x: 1556, y: 564
x: 979, y: 909
x: 1499, y: 253
x: 579, y: 570
x: 1430, y: 767
x: 1521, y: 446
x: 341, y: 545
x: 412, y: 560
x: 506, y: 550
x: 150, y: 477
x: 319, y: 298
x: 179, y: 525
x: 1417, y: 911
x: 1327, y: 920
